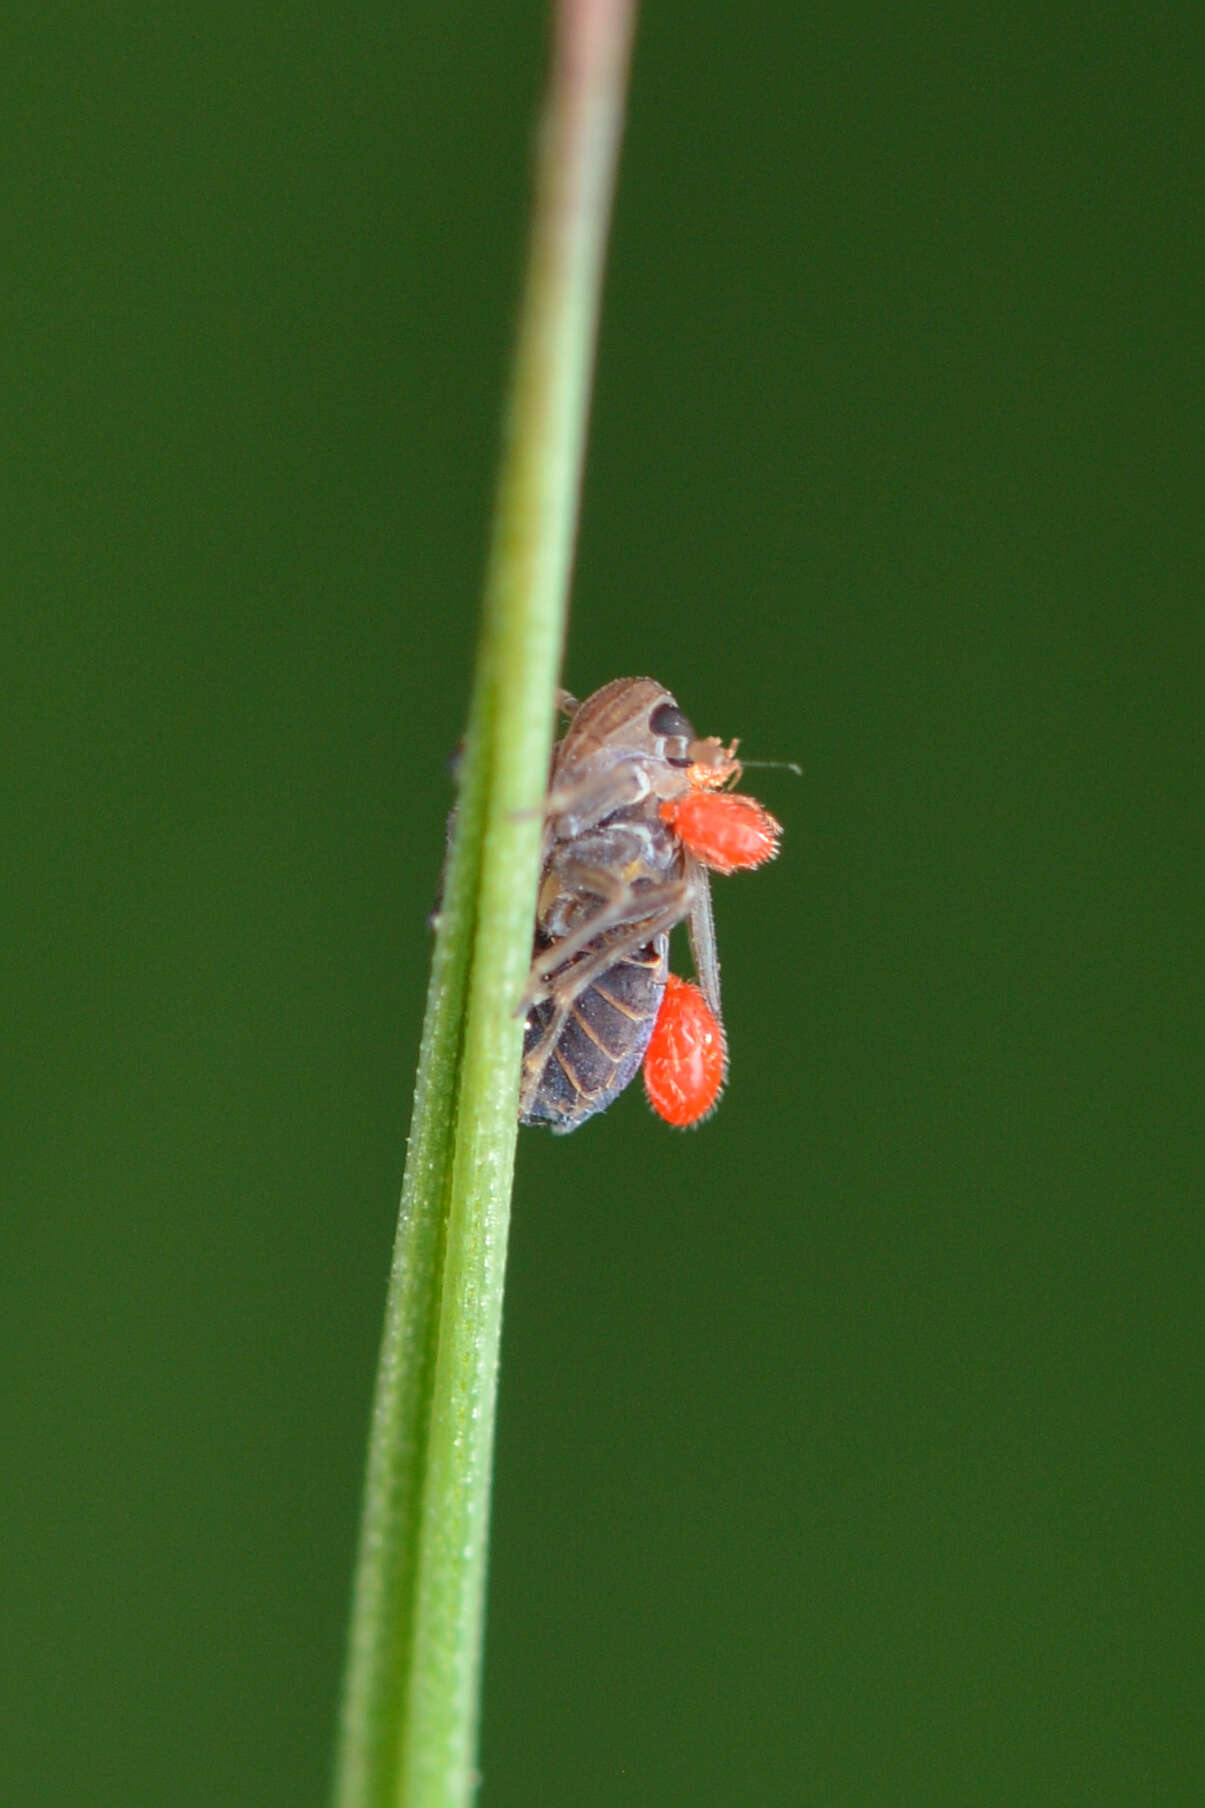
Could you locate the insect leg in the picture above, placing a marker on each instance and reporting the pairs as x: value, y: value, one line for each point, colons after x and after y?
x: 646, y: 913
x: 535, y: 1060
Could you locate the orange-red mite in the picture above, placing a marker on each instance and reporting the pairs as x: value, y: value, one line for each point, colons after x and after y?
x: 726, y: 832
x: 638, y: 816
x: 686, y: 1059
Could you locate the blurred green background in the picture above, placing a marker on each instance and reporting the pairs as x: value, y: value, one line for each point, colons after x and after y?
x: 849, y: 1448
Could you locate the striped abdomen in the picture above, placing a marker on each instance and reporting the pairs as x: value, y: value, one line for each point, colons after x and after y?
x: 603, y: 1039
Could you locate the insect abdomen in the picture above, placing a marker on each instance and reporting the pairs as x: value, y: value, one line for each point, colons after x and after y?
x: 603, y: 1041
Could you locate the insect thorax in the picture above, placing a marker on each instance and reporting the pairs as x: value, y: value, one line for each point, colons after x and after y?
x: 630, y: 853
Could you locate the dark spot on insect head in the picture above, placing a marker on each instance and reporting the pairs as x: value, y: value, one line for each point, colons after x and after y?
x: 677, y: 731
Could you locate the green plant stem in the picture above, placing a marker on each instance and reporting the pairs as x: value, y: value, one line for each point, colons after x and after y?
x: 409, y: 1715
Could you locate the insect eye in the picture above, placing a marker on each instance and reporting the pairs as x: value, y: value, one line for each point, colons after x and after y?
x: 676, y: 730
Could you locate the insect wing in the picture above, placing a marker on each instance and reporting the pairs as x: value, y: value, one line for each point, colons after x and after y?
x: 700, y: 926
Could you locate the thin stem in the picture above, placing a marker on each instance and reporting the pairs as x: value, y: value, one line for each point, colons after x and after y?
x: 409, y: 1719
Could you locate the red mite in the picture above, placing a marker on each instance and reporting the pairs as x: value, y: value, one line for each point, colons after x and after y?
x: 635, y: 820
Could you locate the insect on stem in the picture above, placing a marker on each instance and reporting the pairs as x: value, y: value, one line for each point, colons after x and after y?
x: 637, y: 818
